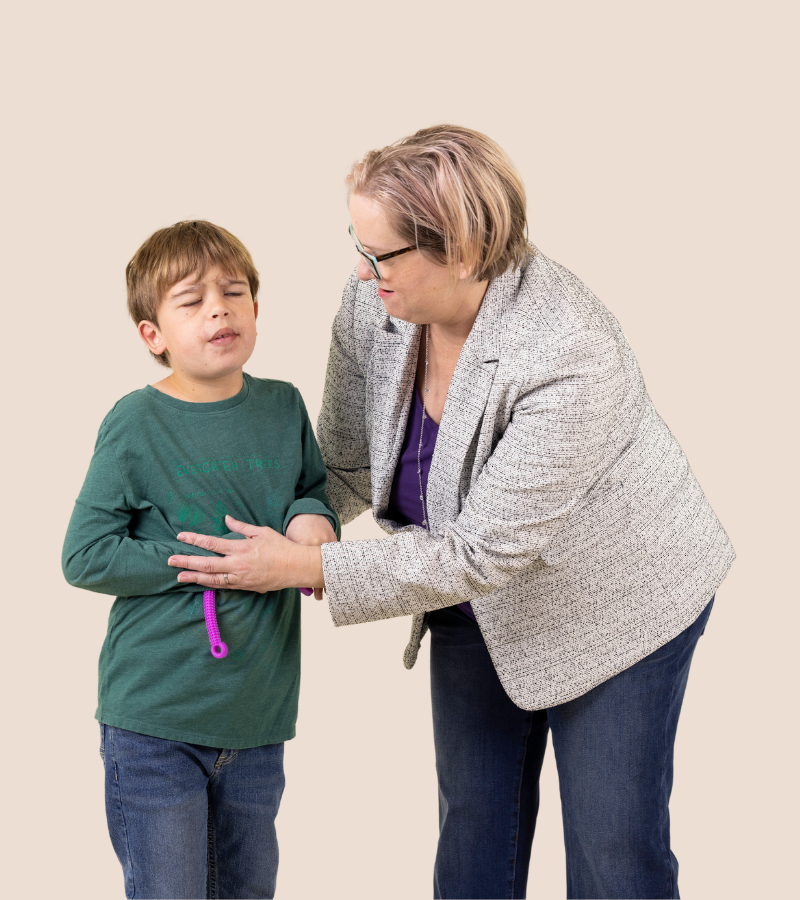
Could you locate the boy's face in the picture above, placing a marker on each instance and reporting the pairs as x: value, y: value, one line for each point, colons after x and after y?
x: 206, y: 323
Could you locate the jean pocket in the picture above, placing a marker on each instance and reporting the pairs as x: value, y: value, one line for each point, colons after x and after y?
x: 102, y: 741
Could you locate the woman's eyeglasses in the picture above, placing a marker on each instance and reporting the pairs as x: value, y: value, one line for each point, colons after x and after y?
x: 372, y: 261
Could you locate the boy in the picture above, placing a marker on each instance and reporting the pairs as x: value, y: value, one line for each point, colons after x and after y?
x: 193, y: 745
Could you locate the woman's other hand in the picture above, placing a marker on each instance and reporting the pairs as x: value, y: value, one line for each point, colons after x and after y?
x: 313, y: 530
x: 266, y: 561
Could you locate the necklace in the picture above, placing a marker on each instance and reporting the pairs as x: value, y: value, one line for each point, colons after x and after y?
x: 421, y: 430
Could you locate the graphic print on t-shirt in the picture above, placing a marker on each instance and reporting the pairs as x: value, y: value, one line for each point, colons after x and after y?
x: 203, y: 509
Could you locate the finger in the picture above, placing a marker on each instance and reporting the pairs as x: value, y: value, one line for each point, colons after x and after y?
x: 243, y: 527
x: 206, y: 579
x: 207, y: 542
x: 205, y: 564
x: 318, y: 593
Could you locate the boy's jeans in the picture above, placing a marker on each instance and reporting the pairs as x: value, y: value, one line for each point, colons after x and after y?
x: 192, y: 821
x: 613, y: 749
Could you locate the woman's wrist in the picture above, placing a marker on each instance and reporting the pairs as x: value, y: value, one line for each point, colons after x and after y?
x: 304, y: 567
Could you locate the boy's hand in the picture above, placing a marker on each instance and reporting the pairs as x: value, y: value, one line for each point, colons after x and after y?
x: 312, y: 530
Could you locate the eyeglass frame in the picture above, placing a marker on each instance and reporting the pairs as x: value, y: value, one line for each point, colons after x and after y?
x: 372, y: 261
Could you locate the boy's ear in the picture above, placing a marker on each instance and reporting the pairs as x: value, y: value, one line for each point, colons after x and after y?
x: 149, y: 333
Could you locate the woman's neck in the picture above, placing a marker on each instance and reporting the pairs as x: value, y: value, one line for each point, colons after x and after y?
x: 451, y: 332
x: 453, y: 329
x: 442, y: 346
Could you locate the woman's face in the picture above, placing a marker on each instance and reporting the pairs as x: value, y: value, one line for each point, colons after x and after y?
x: 412, y: 287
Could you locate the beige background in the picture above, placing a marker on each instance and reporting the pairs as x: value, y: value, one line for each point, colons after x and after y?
x: 658, y: 143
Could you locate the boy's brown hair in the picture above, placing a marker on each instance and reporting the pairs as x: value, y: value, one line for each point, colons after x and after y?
x: 173, y: 253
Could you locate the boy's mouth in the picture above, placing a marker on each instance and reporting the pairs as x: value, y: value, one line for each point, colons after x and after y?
x: 223, y: 337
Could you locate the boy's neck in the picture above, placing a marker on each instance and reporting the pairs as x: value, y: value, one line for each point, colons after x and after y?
x: 198, y: 390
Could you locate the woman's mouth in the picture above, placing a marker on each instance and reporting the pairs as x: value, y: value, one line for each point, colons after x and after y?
x: 383, y: 294
x: 224, y: 337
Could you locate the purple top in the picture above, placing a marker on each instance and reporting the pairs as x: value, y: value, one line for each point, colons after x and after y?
x: 405, y: 505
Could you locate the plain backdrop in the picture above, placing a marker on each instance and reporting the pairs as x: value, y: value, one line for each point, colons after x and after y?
x: 658, y: 143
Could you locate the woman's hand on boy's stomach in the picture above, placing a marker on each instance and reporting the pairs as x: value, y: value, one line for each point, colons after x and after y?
x: 264, y: 562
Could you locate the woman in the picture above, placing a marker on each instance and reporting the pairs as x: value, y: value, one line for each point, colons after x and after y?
x: 545, y: 525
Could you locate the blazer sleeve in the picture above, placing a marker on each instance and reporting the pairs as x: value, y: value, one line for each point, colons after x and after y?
x: 553, y: 450
x: 342, y: 425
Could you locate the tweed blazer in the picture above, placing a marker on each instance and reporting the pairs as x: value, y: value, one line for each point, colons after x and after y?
x: 559, y: 502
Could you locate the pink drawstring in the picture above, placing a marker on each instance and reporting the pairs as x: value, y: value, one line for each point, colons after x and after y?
x: 219, y: 649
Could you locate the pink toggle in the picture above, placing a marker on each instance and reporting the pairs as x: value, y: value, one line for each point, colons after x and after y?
x: 219, y: 649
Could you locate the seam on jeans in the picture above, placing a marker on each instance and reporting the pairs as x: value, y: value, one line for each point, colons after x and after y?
x: 110, y: 735
x: 664, y: 767
x: 213, y: 888
x: 519, y: 795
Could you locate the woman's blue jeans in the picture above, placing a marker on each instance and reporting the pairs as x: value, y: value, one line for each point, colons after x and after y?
x: 191, y: 821
x: 613, y: 748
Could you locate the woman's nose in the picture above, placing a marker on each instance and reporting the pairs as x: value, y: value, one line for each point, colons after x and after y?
x: 363, y: 272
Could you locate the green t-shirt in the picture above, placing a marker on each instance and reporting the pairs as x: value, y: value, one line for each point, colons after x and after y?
x: 162, y: 466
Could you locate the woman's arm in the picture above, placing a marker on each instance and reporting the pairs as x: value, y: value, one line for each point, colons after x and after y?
x: 552, y: 452
x: 560, y: 440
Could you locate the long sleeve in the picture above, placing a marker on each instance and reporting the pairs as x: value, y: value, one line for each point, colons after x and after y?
x: 310, y: 496
x: 551, y: 454
x: 342, y: 426
x: 99, y: 553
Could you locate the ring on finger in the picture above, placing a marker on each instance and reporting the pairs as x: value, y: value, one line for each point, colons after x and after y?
x: 225, y: 576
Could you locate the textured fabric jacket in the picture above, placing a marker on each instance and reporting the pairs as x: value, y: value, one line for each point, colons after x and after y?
x: 559, y: 502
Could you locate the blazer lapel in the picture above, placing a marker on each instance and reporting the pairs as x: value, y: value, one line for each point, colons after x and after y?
x: 454, y: 454
x: 393, y: 369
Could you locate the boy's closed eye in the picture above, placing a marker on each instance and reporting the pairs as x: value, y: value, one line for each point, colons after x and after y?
x: 227, y: 294
x: 200, y: 299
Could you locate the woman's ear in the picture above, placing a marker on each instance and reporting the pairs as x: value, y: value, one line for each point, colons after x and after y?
x: 149, y: 333
x: 255, y: 309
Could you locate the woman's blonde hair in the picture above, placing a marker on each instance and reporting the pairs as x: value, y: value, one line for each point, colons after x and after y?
x: 171, y: 254
x: 452, y: 193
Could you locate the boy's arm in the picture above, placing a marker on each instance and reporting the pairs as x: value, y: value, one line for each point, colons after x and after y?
x: 99, y: 554
x: 341, y: 426
x: 310, y: 488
